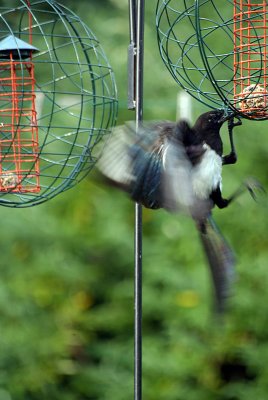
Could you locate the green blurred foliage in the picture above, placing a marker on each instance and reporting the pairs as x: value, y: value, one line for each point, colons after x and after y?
x: 66, y: 287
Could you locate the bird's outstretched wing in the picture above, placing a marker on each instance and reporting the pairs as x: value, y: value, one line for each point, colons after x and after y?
x: 221, y: 261
x: 153, y: 167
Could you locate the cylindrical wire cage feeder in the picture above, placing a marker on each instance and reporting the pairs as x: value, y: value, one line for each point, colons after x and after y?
x: 19, y: 131
x: 57, y: 101
x: 217, y: 51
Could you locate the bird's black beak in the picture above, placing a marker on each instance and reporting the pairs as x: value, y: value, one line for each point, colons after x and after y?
x: 227, y: 117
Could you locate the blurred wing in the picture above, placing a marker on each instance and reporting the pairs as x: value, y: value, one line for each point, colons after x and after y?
x: 152, y: 166
x: 115, y: 161
x: 131, y: 161
x: 221, y: 261
x: 147, y: 169
x: 178, y: 180
x: 177, y: 187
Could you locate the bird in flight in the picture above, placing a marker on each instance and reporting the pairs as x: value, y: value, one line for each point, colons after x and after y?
x: 177, y: 167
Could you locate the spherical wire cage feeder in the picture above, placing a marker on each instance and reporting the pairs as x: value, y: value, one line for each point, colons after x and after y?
x: 217, y: 52
x: 57, y: 101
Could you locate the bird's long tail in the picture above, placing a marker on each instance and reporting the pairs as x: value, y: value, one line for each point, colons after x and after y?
x: 221, y: 261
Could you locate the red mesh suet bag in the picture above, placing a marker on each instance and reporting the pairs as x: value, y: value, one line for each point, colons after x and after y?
x: 19, y: 149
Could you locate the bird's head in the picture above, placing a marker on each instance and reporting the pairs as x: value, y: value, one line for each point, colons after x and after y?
x: 211, y: 118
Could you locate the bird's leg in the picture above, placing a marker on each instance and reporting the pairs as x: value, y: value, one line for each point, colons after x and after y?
x: 218, y: 200
x: 232, y: 157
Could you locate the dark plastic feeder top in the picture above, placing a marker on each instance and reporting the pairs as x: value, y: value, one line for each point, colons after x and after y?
x: 17, y: 47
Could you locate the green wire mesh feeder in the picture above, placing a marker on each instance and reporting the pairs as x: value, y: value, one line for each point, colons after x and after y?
x: 217, y: 51
x: 57, y: 101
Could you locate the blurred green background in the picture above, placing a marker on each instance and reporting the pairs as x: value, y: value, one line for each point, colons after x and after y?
x: 66, y: 287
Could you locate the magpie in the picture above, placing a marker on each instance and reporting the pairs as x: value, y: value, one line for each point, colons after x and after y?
x: 177, y: 167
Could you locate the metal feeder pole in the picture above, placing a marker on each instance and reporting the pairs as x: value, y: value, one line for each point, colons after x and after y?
x: 135, y: 102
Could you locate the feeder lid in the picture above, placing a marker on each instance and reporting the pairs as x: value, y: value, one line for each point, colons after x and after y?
x: 16, y: 46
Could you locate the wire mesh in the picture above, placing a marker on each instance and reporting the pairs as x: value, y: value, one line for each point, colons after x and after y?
x: 250, y: 57
x: 55, y: 106
x: 216, y: 51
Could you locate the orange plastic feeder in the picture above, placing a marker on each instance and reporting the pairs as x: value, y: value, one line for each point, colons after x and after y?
x: 250, y: 56
x: 19, y: 160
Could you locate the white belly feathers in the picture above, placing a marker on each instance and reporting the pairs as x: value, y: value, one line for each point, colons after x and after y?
x: 206, y: 176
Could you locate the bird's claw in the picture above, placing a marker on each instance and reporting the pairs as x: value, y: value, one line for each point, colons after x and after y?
x: 229, y: 158
x: 232, y: 124
x: 254, y: 186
